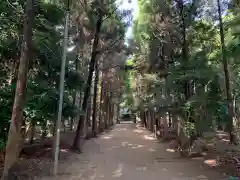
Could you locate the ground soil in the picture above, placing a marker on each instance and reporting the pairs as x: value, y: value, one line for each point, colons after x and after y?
x: 126, y: 152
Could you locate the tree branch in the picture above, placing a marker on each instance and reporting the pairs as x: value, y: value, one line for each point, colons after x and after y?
x: 111, y: 45
x: 109, y: 14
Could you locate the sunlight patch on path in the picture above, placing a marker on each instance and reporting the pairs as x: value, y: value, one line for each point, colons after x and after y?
x: 170, y: 150
x: 111, y: 148
x: 133, y: 146
x: 141, y: 168
x: 140, y: 131
x: 120, y: 129
x: 149, y: 137
x: 211, y: 162
x: 107, y: 137
x: 119, y: 171
x: 152, y: 150
x: 131, y: 153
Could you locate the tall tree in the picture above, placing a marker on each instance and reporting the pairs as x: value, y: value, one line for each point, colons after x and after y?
x: 15, y: 133
x: 226, y: 73
x: 95, y: 96
x: 77, y: 143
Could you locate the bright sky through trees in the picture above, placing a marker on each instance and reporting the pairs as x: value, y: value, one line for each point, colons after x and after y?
x: 133, y: 5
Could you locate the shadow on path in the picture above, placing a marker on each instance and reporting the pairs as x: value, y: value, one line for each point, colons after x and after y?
x: 128, y: 152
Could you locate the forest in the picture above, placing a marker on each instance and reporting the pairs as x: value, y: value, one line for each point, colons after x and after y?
x: 67, y: 66
x: 185, y: 58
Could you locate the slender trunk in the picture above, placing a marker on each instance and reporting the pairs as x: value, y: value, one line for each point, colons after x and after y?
x: 118, y: 110
x: 88, y: 118
x: 152, y: 120
x: 100, y: 125
x: 142, y: 117
x: 145, y: 119
x: 170, y: 120
x: 185, y: 53
x: 72, y: 118
x: 156, y: 125
x: 227, y: 78
x: 33, y: 130
x: 14, y: 76
x: 14, y: 136
x: 109, y: 110
x: 112, y: 113
x: 78, y: 64
x: 105, y: 110
x: 185, y: 57
x: 184, y: 45
x: 44, y: 130
x: 95, y: 95
x: 77, y: 143
x: 64, y: 126
x: 149, y: 119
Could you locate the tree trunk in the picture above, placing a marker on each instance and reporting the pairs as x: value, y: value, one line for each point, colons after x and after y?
x: 152, y: 120
x: 149, y: 119
x: 14, y: 137
x: 105, y: 110
x: 88, y: 119
x: 95, y: 95
x: 185, y: 57
x: 64, y: 126
x: 142, y: 116
x: 118, y: 111
x: 77, y: 143
x: 73, y: 118
x: 44, y: 130
x: 185, y: 49
x: 145, y: 118
x: 112, y: 113
x: 227, y: 78
x: 100, y: 121
x: 109, y: 110
x: 33, y: 130
x: 165, y: 124
x: 78, y: 64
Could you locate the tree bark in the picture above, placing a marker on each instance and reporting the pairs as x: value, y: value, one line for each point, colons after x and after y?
x: 118, y: 111
x: 142, y: 117
x: 105, y: 105
x: 44, y: 130
x: 112, y: 113
x: 88, y: 119
x: 14, y: 137
x: 73, y: 118
x: 77, y: 143
x: 94, y: 120
x: 227, y: 78
x: 185, y: 57
x: 32, y: 134
x: 145, y: 118
x: 100, y: 125
x: 109, y: 109
x: 185, y: 50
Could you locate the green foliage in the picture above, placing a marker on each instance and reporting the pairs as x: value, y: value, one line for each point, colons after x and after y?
x: 42, y: 97
x: 161, y: 53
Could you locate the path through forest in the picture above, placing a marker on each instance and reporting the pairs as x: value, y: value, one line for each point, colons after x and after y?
x: 128, y: 153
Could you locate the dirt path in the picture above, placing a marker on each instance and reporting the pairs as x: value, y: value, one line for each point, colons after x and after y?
x: 130, y: 153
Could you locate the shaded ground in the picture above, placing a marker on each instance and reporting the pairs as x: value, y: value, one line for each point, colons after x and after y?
x: 127, y: 153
